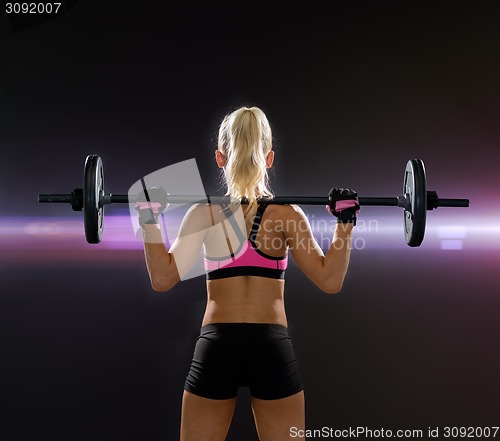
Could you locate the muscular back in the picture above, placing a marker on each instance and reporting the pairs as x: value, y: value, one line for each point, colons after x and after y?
x: 247, y: 298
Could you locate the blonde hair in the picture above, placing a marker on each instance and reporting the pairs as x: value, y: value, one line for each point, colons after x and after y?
x: 245, y: 139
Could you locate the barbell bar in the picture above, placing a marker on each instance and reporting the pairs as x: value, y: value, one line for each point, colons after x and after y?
x: 415, y: 201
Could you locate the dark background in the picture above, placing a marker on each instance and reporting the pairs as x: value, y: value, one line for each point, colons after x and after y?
x: 352, y: 90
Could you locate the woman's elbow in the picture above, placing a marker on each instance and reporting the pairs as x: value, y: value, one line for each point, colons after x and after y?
x: 332, y: 286
x: 334, y: 289
x: 159, y: 287
x: 162, y: 284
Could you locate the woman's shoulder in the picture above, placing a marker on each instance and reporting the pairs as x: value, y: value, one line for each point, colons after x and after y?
x: 207, y: 214
x: 285, y: 212
x: 198, y: 217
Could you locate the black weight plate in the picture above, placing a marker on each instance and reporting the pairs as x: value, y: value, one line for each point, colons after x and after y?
x: 93, y: 190
x: 415, y: 190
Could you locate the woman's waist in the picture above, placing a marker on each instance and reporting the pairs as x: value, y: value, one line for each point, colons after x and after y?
x: 225, y: 294
x: 244, y: 328
x: 245, y: 310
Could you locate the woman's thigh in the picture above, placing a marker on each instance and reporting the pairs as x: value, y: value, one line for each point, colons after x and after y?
x: 275, y: 419
x: 205, y: 419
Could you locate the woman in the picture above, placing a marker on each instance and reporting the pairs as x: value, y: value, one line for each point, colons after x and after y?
x: 244, y: 339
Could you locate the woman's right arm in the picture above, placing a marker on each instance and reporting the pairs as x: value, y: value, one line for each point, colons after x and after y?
x: 167, y: 266
x: 160, y: 262
x: 325, y: 271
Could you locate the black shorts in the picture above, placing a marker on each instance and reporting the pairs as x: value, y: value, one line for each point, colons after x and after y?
x: 230, y: 355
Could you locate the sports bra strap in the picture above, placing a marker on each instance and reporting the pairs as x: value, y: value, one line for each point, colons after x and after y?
x: 256, y: 221
x: 236, y: 228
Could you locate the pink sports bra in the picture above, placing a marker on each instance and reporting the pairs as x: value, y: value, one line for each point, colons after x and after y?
x: 248, y: 260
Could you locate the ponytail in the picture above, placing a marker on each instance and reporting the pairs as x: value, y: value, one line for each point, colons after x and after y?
x: 245, y: 139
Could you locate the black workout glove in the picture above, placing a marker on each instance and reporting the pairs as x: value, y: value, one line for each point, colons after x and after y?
x: 343, y: 204
x: 150, y: 204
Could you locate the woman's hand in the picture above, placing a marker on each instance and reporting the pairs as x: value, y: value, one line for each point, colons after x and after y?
x: 344, y: 205
x: 151, y: 202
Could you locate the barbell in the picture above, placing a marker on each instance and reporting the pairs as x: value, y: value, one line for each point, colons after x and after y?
x: 415, y: 201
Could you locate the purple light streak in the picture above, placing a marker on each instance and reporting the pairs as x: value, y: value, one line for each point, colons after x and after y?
x: 45, y: 239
